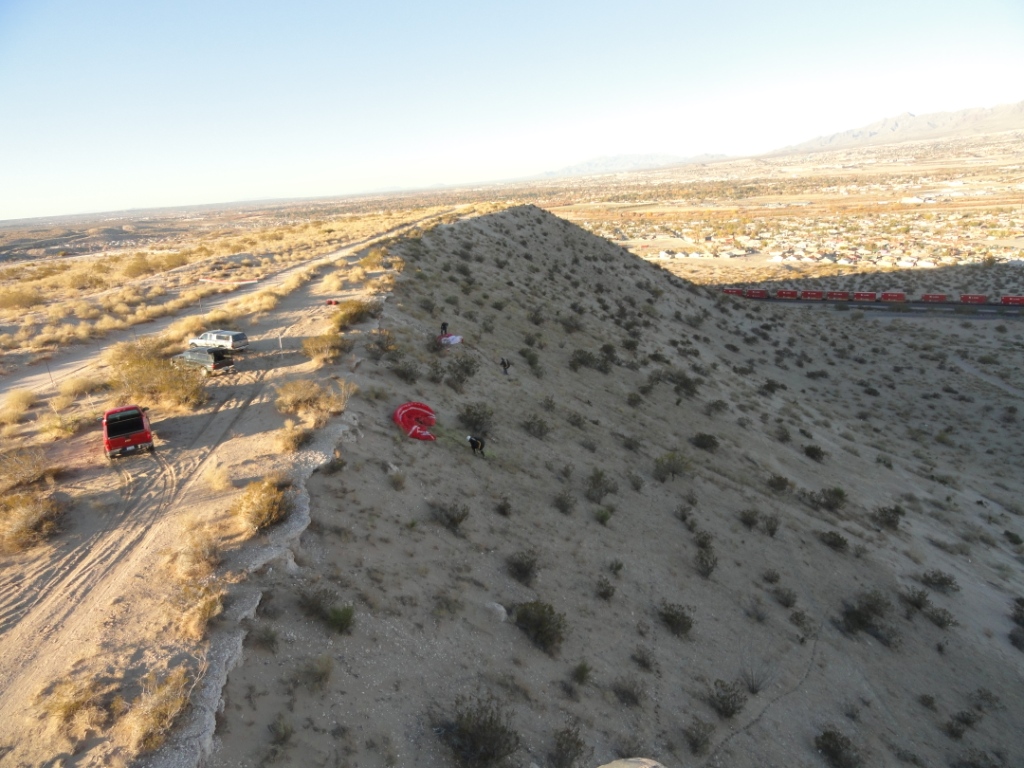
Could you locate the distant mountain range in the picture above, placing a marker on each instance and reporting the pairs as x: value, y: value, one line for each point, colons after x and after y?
x: 910, y: 127
x: 626, y: 163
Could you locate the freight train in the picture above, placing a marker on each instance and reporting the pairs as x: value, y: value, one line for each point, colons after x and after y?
x: 889, y: 297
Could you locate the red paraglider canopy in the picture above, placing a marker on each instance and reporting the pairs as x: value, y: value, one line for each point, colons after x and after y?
x: 414, y: 418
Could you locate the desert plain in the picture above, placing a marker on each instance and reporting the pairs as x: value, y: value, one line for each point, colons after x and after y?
x: 706, y: 530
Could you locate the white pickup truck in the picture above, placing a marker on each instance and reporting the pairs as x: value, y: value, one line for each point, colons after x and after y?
x: 234, y: 340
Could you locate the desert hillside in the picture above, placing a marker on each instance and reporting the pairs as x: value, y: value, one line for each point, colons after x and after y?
x: 705, y: 531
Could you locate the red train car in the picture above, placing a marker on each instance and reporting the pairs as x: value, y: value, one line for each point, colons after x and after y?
x: 864, y: 296
x: 935, y: 297
x: 812, y: 295
x: 733, y: 291
x: 973, y: 298
x: 1012, y: 300
x: 756, y: 293
x: 785, y: 294
x: 894, y: 296
x: 838, y: 295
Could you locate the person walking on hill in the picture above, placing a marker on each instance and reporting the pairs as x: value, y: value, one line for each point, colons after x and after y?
x: 444, y: 329
x: 477, y: 444
x: 505, y: 365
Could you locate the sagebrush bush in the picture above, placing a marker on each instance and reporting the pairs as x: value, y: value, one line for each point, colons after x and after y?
x: 477, y: 417
x: 522, y: 566
x: 352, y: 311
x: 542, y: 624
x: 706, y: 561
x: 779, y: 483
x: 23, y: 466
x: 698, y: 735
x: 599, y: 485
x: 261, y: 505
x: 151, y: 716
x: 570, y: 750
x: 940, y: 581
x: 832, y: 499
x: 814, y: 452
x: 450, y: 514
x: 26, y: 519
x: 749, y: 518
x: 705, y: 442
x: 327, y: 347
x: 676, y: 618
x: 727, y: 699
x: 889, y: 517
x: 669, y: 465
x: 837, y: 749
x: 834, y: 540
x: 565, y: 501
x: 314, y: 400
x: 140, y: 372
x: 480, y: 733
x: 536, y: 426
x: 770, y: 525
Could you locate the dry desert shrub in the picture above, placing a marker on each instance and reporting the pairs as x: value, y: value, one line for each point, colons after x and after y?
x: 75, y: 706
x: 314, y: 400
x: 570, y: 750
x: 542, y: 624
x: 150, y: 717
x: 140, y: 372
x: 322, y: 603
x: 522, y: 566
x: 218, y: 478
x: 16, y: 404
x: 676, y: 618
x: 198, y: 552
x: 698, y: 735
x: 325, y: 348
x: 197, y: 605
x: 353, y: 311
x: 450, y: 514
x: 727, y: 699
x: 480, y: 733
x: 292, y: 437
x: 837, y: 749
x: 22, y: 466
x: 261, y: 505
x: 26, y: 519
x: 669, y: 465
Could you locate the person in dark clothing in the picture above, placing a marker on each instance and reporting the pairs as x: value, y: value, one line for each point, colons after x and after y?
x: 505, y: 365
x: 444, y: 329
x: 477, y: 444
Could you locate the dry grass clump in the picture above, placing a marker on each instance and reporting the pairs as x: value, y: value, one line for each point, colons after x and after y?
x: 353, y: 311
x: 22, y: 466
x: 16, y: 404
x: 140, y: 372
x: 75, y: 705
x: 325, y: 348
x: 292, y: 437
x: 218, y: 479
x: 150, y: 717
x: 82, y: 385
x: 197, y: 605
x: 261, y: 505
x: 26, y: 519
x: 314, y: 400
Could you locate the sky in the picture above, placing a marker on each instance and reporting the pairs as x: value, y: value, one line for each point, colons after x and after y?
x: 112, y: 105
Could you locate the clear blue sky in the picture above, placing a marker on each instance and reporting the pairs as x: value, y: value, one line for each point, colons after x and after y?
x: 111, y: 104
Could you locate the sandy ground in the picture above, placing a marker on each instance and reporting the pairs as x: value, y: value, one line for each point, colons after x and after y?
x: 915, y: 411
x: 902, y: 409
x: 93, y: 604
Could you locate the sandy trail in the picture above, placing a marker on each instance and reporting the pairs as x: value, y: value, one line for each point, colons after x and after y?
x: 69, y: 603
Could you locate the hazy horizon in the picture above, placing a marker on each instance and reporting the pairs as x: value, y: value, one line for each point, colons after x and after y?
x: 116, y: 107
